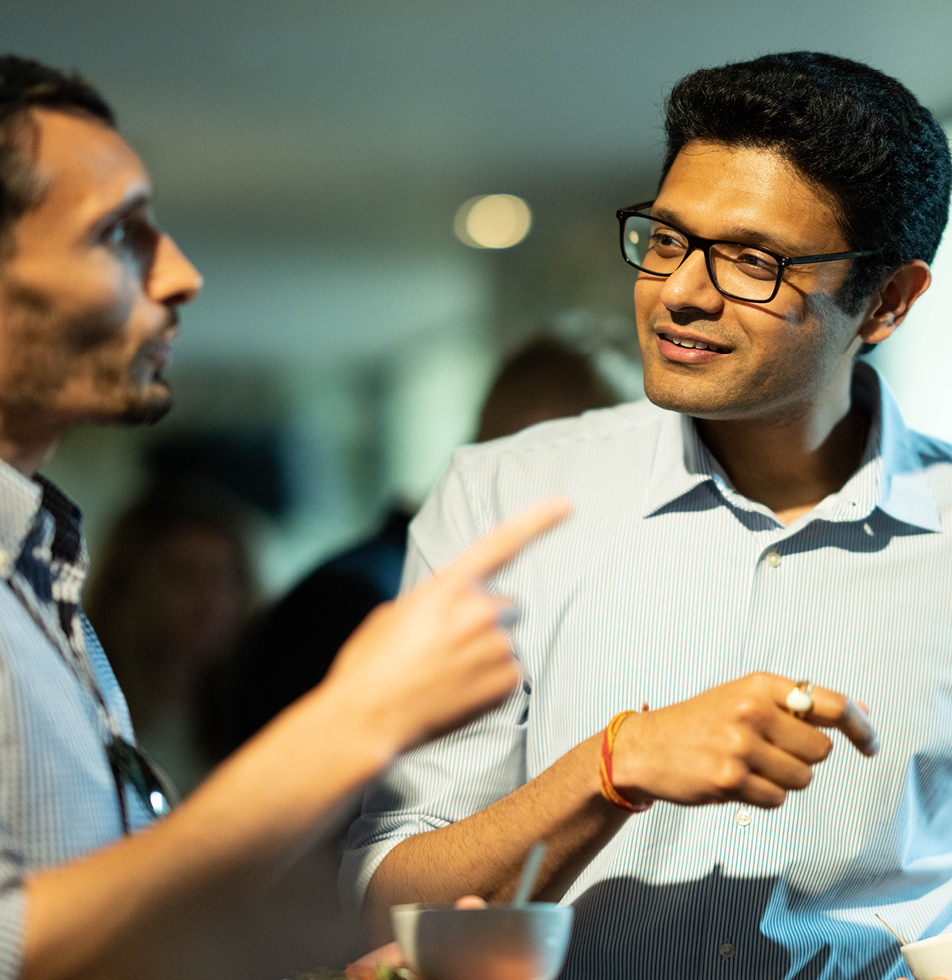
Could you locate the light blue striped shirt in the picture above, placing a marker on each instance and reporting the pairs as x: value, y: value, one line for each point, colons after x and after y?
x: 666, y: 582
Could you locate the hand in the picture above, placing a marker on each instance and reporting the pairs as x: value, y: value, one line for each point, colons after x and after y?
x: 391, y: 955
x: 733, y: 742
x: 440, y: 654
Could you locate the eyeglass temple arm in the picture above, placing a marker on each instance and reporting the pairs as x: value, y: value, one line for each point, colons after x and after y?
x: 830, y: 257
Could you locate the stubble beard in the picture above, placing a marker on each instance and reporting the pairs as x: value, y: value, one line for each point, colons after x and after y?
x: 147, y: 412
x: 47, y: 348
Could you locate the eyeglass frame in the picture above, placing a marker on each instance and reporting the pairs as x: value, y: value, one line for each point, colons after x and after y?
x: 705, y: 244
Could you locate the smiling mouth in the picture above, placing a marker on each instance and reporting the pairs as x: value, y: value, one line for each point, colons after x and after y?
x: 694, y: 344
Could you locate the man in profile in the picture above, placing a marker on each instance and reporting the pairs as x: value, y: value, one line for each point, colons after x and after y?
x: 765, y: 516
x: 90, y: 290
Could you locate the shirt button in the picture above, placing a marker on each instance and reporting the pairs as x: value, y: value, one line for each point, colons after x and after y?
x: 743, y: 817
x: 726, y: 950
x: 772, y: 559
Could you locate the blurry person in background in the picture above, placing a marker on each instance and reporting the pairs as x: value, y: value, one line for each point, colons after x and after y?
x: 283, y: 656
x: 92, y: 885
x: 546, y: 378
x: 170, y: 593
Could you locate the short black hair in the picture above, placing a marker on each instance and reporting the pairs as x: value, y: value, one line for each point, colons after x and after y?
x: 849, y: 130
x: 26, y: 85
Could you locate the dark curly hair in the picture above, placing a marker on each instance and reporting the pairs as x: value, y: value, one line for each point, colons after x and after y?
x: 851, y: 131
x: 26, y: 85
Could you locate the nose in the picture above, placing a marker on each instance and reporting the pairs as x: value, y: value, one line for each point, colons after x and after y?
x: 172, y: 278
x: 690, y: 286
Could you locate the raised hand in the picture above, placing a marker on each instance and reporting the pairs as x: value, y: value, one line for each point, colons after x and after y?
x: 440, y: 654
x: 734, y: 742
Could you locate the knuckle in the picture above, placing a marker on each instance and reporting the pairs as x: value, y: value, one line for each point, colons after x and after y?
x: 750, y: 711
x: 730, y: 775
x: 738, y: 741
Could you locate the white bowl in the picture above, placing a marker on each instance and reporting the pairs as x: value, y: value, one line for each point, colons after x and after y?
x: 930, y: 958
x: 501, y: 942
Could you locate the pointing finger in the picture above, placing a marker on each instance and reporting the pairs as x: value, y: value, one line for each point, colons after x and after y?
x: 507, y: 540
x: 833, y: 710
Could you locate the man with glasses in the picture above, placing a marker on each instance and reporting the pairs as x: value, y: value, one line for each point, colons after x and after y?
x: 90, y: 289
x: 764, y: 521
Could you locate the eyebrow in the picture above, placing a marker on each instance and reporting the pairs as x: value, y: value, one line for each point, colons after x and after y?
x: 740, y: 234
x: 135, y: 201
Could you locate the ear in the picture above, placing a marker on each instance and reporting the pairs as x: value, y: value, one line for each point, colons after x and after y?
x: 893, y: 300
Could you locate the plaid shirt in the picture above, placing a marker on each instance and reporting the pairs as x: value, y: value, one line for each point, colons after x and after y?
x: 57, y: 794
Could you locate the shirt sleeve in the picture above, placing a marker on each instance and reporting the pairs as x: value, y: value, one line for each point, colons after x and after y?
x: 12, y: 901
x: 12, y: 859
x: 452, y: 777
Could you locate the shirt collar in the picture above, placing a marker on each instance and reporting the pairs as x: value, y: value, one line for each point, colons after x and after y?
x: 20, y: 501
x: 890, y: 475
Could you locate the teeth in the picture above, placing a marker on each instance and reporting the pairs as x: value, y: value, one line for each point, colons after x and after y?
x: 694, y: 344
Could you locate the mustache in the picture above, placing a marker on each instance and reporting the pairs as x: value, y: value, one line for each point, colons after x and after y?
x: 685, y: 318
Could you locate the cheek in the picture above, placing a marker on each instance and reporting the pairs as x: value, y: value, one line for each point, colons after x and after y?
x: 99, y: 311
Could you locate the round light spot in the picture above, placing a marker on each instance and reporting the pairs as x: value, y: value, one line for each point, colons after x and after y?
x: 634, y: 237
x: 493, y: 221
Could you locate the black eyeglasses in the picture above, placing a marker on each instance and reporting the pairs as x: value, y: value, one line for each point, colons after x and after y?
x: 132, y: 767
x: 749, y: 273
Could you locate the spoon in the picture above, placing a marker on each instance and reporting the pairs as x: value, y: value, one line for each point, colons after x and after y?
x: 530, y: 871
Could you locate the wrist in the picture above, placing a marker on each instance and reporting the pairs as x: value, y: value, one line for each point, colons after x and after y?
x: 615, y: 786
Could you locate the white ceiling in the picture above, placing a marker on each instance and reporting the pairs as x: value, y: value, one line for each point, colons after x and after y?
x: 378, y: 116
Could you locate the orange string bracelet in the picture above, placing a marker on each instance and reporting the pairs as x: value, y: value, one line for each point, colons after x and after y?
x: 605, y: 766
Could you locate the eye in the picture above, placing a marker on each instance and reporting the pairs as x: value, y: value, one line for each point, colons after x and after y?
x: 117, y: 233
x: 666, y: 242
x: 757, y: 264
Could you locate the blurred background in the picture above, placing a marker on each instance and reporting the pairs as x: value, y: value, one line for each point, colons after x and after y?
x: 311, y: 156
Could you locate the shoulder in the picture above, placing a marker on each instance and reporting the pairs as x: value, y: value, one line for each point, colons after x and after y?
x: 594, y: 435
x: 601, y: 460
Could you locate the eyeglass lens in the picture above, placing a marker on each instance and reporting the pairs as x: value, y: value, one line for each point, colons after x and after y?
x: 741, y: 270
x: 131, y: 767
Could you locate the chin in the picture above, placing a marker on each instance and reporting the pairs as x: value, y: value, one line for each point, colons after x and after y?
x: 146, y: 414
x: 146, y: 408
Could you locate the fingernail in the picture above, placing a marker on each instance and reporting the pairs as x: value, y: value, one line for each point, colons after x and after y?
x: 509, y: 616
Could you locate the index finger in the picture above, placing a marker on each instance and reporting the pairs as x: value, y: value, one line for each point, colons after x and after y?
x: 507, y: 540
x: 833, y: 710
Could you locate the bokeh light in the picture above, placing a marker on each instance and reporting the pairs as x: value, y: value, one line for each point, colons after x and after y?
x: 493, y: 221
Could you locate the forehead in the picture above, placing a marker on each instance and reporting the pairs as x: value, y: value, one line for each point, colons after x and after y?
x: 86, y: 169
x: 721, y: 187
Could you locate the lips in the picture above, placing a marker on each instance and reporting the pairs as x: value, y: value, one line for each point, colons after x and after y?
x: 680, y: 348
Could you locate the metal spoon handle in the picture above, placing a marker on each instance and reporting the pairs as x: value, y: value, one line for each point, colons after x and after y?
x: 530, y: 871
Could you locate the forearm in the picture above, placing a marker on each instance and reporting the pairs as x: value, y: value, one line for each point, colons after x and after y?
x: 483, y: 854
x: 168, y: 901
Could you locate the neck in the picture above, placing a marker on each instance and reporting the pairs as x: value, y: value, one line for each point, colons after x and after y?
x: 27, y: 456
x: 790, y: 464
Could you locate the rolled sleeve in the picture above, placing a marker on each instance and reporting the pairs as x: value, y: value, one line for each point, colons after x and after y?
x: 460, y: 774
x: 433, y: 786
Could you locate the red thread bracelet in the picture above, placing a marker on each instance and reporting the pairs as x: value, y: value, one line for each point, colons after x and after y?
x: 605, y: 767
